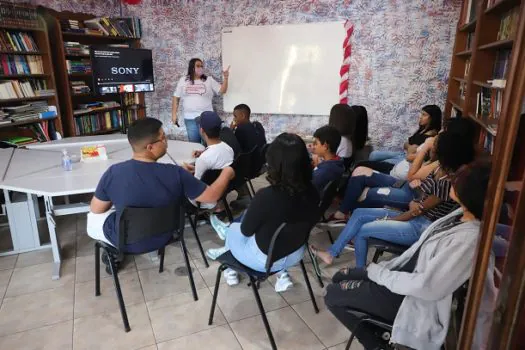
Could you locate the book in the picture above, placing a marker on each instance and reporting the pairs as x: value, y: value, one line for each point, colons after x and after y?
x: 501, y: 64
x: 508, y: 25
x: 467, y: 67
x: 78, y: 66
x: 18, y: 15
x: 21, y: 65
x: 470, y: 40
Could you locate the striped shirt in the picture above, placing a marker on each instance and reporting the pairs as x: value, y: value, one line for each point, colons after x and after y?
x: 440, y: 188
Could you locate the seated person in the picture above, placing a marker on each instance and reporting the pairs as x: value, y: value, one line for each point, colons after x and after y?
x: 343, y: 119
x: 328, y: 166
x: 429, y: 125
x: 462, y: 126
x: 414, y: 291
x: 142, y: 182
x: 291, y: 197
x: 367, y: 188
x: 452, y: 151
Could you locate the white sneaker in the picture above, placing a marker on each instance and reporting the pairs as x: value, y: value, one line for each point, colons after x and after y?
x: 231, y: 276
x: 214, y: 253
x: 283, y: 283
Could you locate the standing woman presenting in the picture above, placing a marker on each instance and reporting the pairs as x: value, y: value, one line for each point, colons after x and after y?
x: 196, y: 91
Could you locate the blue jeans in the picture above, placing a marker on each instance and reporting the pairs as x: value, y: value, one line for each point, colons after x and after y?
x: 364, y: 224
x: 380, y: 193
x: 387, y: 156
x: 246, y: 251
x: 192, y: 128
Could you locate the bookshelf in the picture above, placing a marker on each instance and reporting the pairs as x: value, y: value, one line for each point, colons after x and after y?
x: 487, y: 85
x: 74, y: 78
x: 27, y: 81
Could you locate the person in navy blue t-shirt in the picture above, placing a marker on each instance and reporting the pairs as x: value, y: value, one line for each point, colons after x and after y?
x: 327, y: 165
x: 142, y: 182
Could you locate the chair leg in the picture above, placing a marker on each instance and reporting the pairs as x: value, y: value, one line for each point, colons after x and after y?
x: 193, y: 225
x: 377, y: 255
x: 161, y: 253
x: 263, y: 314
x: 228, y: 210
x: 251, y: 188
x: 123, y: 312
x: 97, y: 269
x: 215, y: 293
x: 188, y: 266
x: 316, y: 268
x: 330, y: 236
x: 309, y: 286
x: 352, y: 337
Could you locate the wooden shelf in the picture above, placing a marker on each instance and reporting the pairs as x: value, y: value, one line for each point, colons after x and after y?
x: 487, y: 85
x: 461, y: 80
x: 501, y: 44
x: 22, y: 29
x: 483, y: 123
x: 80, y: 75
x: 95, y: 111
x: 456, y: 105
x: 28, y: 53
x: 22, y: 76
x: 25, y: 99
x: 469, y: 27
x: 464, y: 53
x: 82, y: 95
x: 101, y: 132
x: 25, y: 122
x: 103, y: 37
x: 502, y: 6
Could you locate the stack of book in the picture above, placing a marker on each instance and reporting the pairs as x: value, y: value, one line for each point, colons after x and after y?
x: 508, y: 25
x: 30, y: 112
x: 76, y: 49
x: 92, y: 123
x: 18, y: 15
x: 79, y: 87
x: 489, y: 103
x: 78, y: 66
x: 131, y: 99
x: 488, y: 144
x: 71, y: 26
x: 17, y: 41
x: 127, y: 27
x: 95, y: 106
x: 19, y: 65
x: 12, y: 89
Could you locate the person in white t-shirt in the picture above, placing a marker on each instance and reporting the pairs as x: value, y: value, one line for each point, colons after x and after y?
x: 196, y: 90
x: 218, y: 155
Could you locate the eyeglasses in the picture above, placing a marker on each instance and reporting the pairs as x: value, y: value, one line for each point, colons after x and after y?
x: 163, y: 139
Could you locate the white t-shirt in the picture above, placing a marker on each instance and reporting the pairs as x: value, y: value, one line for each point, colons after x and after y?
x: 345, y: 148
x: 400, y: 170
x: 196, y: 98
x: 217, y: 156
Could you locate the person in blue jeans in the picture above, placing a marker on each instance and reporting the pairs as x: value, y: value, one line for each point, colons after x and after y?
x: 429, y: 126
x: 291, y: 198
x: 404, y: 228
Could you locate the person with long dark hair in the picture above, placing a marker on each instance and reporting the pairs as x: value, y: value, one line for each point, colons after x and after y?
x: 290, y: 198
x: 196, y: 90
x: 429, y: 126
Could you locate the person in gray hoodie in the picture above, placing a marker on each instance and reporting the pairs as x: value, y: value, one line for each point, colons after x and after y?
x: 414, y: 291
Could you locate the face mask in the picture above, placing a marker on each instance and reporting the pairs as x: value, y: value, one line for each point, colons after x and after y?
x: 199, y: 71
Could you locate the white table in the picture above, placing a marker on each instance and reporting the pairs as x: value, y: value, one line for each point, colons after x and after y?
x: 37, y: 171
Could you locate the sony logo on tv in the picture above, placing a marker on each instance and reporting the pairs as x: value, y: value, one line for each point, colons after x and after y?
x: 124, y: 70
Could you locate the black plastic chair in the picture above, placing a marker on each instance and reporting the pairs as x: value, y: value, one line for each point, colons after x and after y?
x: 257, y: 165
x: 457, y: 307
x: 227, y: 260
x: 381, y: 247
x: 208, y: 178
x: 137, y: 224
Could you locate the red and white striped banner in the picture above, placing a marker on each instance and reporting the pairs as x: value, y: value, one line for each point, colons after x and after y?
x: 345, y: 67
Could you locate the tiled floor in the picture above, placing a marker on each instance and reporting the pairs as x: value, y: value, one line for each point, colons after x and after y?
x: 38, y: 313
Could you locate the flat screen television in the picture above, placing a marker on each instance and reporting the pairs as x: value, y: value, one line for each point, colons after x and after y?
x: 120, y: 70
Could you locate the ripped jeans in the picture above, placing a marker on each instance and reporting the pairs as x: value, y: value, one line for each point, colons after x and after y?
x: 380, y: 193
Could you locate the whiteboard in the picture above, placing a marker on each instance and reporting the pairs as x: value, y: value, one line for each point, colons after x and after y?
x: 284, y: 69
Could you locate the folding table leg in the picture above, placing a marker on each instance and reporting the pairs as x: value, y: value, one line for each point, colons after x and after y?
x: 55, y: 246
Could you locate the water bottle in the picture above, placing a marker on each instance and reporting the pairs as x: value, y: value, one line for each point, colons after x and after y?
x: 66, y: 161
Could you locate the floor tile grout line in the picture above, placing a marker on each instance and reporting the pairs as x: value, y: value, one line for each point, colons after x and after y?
x: 7, y: 286
x: 306, y: 323
x: 35, y: 328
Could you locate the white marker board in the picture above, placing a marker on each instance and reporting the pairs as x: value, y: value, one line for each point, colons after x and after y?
x: 284, y: 69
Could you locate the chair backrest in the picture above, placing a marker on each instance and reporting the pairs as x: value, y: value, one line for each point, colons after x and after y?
x: 211, y: 175
x: 261, y: 133
x: 242, y: 165
x: 227, y: 136
x: 137, y: 224
x: 299, y: 228
x: 328, y: 195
